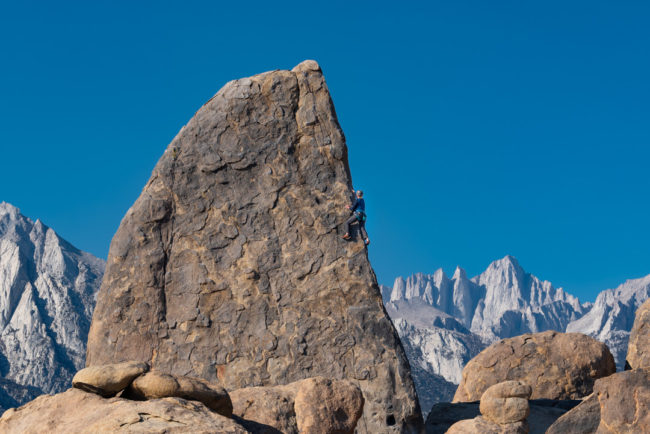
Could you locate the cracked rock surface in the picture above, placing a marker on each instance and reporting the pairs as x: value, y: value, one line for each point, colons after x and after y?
x: 230, y: 267
x: 556, y: 366
x: 76, y: 411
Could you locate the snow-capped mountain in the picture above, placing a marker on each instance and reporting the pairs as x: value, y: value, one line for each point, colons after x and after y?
x: 612, y: 315
x: 47, y: 295
x: 443, y: 322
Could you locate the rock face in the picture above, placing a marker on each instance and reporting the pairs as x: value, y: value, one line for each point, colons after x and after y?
x: 582, y: 419
x: 230, y: 265
x: 620, y: 404
x: 638, y: 351
x: 76, y: 411
x: 555, y: 365
x: 315, y: 405
x: 624, y: 400
x: 47, y: 294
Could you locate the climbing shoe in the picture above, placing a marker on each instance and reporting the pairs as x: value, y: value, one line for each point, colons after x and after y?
x: 346, y: 237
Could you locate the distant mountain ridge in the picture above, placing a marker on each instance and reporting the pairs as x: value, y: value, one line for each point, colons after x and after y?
x: 443, y: 322
x: 47, y: 295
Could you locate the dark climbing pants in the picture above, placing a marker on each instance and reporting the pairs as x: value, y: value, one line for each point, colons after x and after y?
x: 362, y: 226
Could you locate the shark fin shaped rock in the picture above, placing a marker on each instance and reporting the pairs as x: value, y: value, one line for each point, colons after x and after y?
x: 230, y: 267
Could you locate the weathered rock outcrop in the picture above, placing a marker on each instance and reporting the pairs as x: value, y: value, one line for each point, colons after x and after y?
x: 582, y: 419
x: 556, y: 366
x: 230, y: 266
x: 638, y: 350
x: 620, y: 404
x: 76, y: 411
x: 315, y: 405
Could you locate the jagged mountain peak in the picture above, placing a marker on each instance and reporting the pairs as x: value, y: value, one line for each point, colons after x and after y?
x: 459, y: 273
x: 7, y: 208
x: 47, y: 294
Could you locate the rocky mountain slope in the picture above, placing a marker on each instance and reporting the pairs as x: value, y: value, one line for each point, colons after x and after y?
x: 612, y: 315
x: 230, y: 265
x: 444, y: 322
x: 47, y: 295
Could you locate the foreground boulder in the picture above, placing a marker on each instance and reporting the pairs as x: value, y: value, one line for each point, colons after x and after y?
x: 315, y: 405
x: 620, y: 404
x: 76, y: 411
x: 556, y: 365
x: 638, y: 349
x: 504, y: 408
x: 230, y: 265
x: 543, y: 413
x: 154, y: 385
x: 108, y: 380
x: 506, y: 402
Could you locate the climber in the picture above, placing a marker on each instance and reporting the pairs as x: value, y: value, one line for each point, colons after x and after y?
x: 358, y: 209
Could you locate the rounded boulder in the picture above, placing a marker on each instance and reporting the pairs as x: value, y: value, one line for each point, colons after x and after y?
x: 108, y: 380
x: 555, y: 365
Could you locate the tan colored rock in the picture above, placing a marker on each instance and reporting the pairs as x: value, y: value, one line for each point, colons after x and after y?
x: 315, y: 405
x: 230, y: 266
x: 624, y: 400
x: 481, y: 425
x: 556, y: 365
x: 271, y: 407
x: 506, y: 402
x: 76, y: 411
x: 324, y: 406
x: 154, y: 385
x: 108, y: 380
x: 620, y: 404
x: 582, y: 419
x: 638, y: 347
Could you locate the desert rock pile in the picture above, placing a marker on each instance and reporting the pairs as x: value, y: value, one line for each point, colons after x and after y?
x: 159, y: 402
x: 556, y: 365
x: 504, y: 408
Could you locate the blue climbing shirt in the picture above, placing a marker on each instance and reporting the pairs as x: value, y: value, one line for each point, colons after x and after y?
x: 359, y: 205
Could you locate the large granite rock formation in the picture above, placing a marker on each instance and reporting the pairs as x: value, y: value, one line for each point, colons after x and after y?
x: 230, y: 265
x: 556, y: 365
x: 638, y: 350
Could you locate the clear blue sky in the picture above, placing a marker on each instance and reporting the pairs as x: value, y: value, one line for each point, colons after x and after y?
x: 477, y: 129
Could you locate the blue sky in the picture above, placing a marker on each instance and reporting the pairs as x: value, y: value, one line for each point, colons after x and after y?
x: 477, y: 129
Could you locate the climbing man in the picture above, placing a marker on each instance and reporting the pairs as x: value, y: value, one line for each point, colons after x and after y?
x: 358, y: 209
